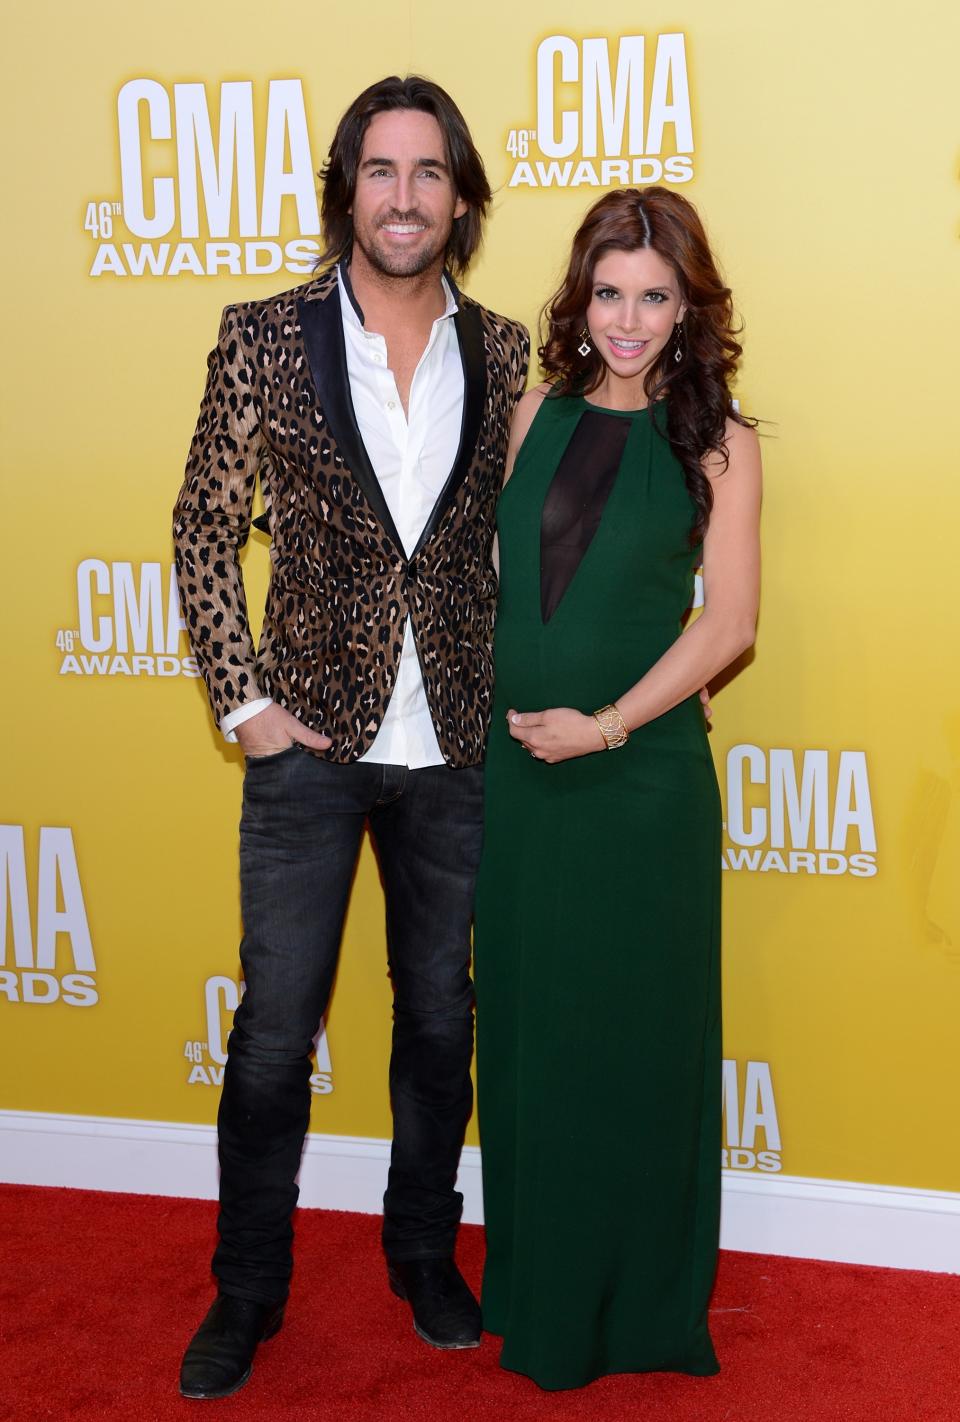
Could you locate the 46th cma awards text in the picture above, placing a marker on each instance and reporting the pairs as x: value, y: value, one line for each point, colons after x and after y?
x: 200, y: 197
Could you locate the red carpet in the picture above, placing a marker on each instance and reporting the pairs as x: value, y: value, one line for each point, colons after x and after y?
x: 99, y: 1294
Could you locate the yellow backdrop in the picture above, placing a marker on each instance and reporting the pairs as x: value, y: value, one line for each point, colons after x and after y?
x: 160, y: 167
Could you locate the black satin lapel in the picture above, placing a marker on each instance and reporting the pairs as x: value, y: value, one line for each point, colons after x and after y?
x: 473, y: 355
x: 322, y: 329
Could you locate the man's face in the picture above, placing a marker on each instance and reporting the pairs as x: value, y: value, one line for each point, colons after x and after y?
x: 405, y: 202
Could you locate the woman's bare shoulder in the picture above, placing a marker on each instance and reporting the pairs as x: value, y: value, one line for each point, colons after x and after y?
x: 523, y: 417
x: 742, y: 448
x: 740, y: 437
x: 534, y: 398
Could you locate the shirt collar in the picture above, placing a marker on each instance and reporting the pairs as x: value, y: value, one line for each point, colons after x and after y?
x: 353, y: 311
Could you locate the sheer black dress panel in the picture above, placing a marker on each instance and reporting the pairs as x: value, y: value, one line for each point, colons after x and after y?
x: 575, y: 501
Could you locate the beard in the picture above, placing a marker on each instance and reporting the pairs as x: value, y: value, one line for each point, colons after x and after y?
x: 402, y: 263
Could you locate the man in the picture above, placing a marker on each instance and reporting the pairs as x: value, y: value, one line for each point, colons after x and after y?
x: 374, y: 403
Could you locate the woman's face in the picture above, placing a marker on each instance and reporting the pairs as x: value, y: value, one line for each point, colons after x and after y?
x: 634, y: 305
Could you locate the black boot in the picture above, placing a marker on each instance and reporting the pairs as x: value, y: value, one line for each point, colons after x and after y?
x: 445, y: 1313
x: 219, y: 1358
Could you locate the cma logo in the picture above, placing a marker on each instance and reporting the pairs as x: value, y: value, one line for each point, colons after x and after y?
x: 221, y: 998
x: 809, y: 815
x: 749, y: 1108
x: 49, y: 933
x: 128, y: 623
x: 607, y: 117
x: 184, y: 176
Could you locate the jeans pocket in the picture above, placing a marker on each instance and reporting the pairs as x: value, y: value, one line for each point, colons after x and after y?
x: 253, y: 760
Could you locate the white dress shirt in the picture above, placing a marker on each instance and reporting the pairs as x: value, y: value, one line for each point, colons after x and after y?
x: 412, y: 456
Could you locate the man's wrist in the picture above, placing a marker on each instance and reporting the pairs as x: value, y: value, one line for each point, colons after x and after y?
x: 243, y: 713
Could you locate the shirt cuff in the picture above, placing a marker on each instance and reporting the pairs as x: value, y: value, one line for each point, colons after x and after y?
x: 243, y: 713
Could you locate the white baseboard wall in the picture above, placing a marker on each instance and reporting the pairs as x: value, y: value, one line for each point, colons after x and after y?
x: 766, y: 1214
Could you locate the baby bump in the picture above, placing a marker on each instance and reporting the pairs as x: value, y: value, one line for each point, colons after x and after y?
x: 584, y: 667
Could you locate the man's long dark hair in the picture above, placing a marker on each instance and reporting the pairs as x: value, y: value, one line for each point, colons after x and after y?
x: 339, y: 173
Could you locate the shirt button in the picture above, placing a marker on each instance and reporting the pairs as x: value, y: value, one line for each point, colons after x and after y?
x: 377, y: 358
x: 391, y: 404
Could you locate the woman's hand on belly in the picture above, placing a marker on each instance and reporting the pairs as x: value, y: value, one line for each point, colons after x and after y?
x: 558, y: 734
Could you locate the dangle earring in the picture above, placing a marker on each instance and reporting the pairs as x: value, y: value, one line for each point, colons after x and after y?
x: 678, y: 339
x: 584, y: 347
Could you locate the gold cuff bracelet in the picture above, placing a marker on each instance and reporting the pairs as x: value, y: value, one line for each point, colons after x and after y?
x: 613, y: 728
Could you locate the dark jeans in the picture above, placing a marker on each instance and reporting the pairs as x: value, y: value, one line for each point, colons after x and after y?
x: 300, y: 834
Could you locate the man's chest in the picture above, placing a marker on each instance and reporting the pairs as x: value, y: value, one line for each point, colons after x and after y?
x: 340, y: 455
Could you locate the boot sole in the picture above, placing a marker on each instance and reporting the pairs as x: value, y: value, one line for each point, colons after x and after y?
x: 199, y: 1396
x: 435, y: 1342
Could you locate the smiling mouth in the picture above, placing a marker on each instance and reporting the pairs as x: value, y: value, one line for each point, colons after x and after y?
x: 403, y: 229
x: 627, y: 348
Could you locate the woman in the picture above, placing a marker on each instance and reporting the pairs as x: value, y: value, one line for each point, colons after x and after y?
x: 598, y: 913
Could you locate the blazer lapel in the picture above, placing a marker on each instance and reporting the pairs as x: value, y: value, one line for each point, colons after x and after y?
x: 473, y: 356
x: 322, y: 329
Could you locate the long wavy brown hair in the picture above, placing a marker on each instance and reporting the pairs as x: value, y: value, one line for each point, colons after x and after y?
x: 694, y: 391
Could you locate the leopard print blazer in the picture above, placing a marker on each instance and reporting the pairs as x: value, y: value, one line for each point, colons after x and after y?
x: 277, y: 405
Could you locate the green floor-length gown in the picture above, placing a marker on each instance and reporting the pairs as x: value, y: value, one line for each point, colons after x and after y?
x: 597, y: 948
